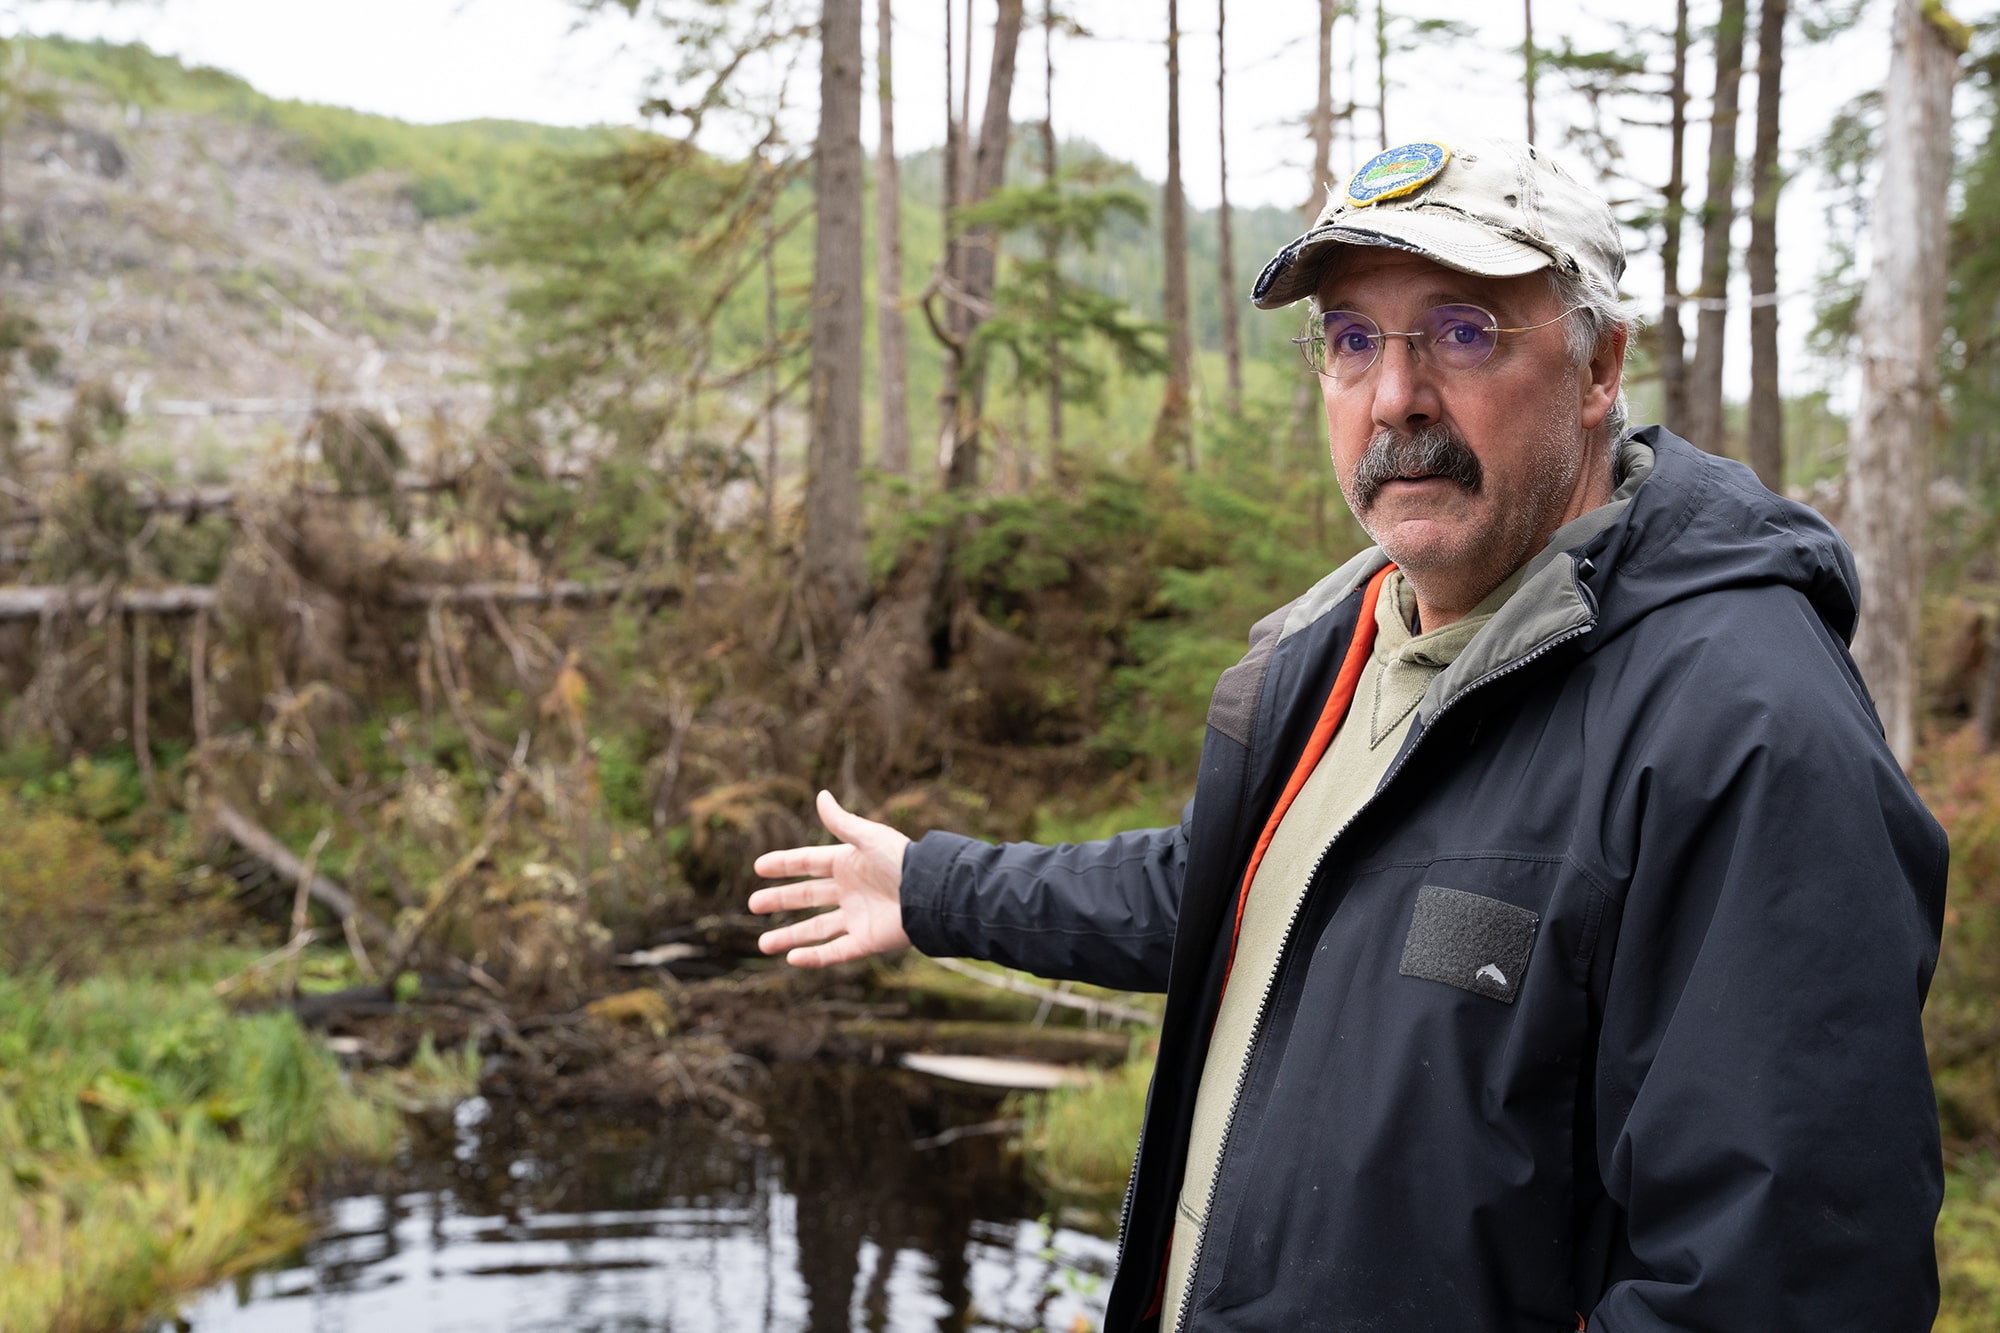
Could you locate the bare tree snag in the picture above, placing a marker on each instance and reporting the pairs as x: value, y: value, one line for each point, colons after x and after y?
x: 1902, y: 320
x: 1767, y: 407
x: 1173, y: 433
x: 1673, y: 337
x: 1528, y: 60
x: 891, y: 350
x: 1232, y: 340
x: 1718, y: 213
x: 833, y: 537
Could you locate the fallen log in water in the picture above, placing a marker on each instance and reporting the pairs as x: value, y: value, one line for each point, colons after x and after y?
x: 32, y: 601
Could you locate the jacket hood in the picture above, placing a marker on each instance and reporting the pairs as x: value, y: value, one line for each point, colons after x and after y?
x: 1701, y: 523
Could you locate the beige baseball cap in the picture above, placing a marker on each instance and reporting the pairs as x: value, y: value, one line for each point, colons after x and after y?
x: 1497, y: 208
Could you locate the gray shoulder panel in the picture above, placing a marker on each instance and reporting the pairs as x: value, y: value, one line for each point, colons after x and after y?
x: 1233, y: 709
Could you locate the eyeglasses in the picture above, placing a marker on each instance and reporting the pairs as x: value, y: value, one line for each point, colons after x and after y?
x: 1345, y: 344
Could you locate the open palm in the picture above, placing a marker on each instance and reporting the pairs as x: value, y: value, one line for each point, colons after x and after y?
x: 860, y: 878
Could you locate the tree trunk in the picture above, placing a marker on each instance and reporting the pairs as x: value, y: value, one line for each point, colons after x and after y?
x: 833, y: 554
x: 1322, y: 118
x: 1382, y: 73
x: 978, y: 248
x: 1050, y: 240
x: 1986, y: 706
x: 1902, y: 320
x: 1172, y: 433
x: 949, y: 262
x: 1232, y: 343
x: 1673, y: 338
x: 771, y: 370
x: 1718, y: 211
x: 894, y: 355
x: 1528, y: 59
x: 1767, y: 409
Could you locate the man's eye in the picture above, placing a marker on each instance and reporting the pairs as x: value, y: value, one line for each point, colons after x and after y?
x: 1461, y: 334
x: 1352, y: 342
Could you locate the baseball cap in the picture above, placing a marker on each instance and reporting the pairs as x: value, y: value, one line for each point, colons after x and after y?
x: 1497, y: 208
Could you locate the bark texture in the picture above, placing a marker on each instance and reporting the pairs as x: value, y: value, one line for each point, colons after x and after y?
x: 1322, y: 117
x: 1232, y: 340
x: 1767, y: 408
x: 1718, y: 212
x: 1902, y: 320
x: 1673, y: 337
x: 833, y: 554
x: 1172, y: 432
x: 1528, y: 60
x: 1051, y: 244
x: 970, y: 290
x: 891, y: 344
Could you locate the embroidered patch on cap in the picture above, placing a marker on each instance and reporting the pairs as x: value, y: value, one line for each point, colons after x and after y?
x: 1397, y: 172
x: 1470, y: 941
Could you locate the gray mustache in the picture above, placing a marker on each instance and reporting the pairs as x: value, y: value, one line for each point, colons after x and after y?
x: 1432, y: 451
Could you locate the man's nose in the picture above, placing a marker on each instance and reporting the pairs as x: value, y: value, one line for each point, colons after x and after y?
x: 1405, y: 386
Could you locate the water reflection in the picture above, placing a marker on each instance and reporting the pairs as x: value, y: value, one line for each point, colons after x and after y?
x: 833, y: 1219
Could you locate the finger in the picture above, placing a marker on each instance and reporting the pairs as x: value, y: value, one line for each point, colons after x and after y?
x: 797, y: 861
x: 795, y: 897
x: 813, y: 930
x: 843, y: 950
x: 842, y: 824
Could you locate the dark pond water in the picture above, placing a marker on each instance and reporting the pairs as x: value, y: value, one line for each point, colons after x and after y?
x: 837, y: 1216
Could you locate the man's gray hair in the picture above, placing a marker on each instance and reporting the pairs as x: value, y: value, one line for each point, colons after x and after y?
x: 1598, y: 312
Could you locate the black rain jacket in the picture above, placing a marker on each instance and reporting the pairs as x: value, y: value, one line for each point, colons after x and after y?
x: 1654, y: 799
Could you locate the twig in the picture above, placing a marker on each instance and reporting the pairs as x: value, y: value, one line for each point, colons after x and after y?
x: 269, y: 960
x: 142, y: 745
x: 253, y: 838
x: 478, y: 742
x: 307, y: 871
x: 1111, y: 1009
x: 957, y: 1132
x: 448, y: 884
x: 198, y: 679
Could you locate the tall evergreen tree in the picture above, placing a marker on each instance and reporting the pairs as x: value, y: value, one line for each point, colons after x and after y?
x: 833, y: 537
x: 1173, y: 433
x: 1673, y: 335
x: 1718, y: 213
x: 1901, y: 325
x: 890, y: 343
x: 1767, y: 409
x: 1232, y: 341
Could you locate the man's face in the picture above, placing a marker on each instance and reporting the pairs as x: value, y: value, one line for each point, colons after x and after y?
x: 1461, y: 475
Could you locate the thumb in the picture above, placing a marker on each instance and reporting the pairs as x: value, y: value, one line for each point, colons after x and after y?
x: 849, y: 828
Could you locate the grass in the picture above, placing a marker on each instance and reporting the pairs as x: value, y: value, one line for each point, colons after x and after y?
x: 151, y: 1141
x: 1078, y: 1141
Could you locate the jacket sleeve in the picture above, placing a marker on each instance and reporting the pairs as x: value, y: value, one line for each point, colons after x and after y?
x: 1099, y: 912
x: 1763, y: 1110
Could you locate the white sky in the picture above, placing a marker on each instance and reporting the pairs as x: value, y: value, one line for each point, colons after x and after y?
x: 442, y: 60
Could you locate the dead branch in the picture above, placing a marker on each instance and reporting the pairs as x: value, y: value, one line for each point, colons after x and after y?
x: 255, y: 839
x: 142, y: 745
x: 28, y: 601
x: 1111, y: 1009
x: 440, y: 894
x: 307, y: 871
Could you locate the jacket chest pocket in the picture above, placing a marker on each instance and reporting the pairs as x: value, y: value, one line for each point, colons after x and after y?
x: 1471, y: 941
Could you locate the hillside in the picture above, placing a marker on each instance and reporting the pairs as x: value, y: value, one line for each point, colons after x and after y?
x: 224, y: 261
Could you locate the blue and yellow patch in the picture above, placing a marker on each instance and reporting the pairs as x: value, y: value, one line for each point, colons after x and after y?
x: 1397, y: 172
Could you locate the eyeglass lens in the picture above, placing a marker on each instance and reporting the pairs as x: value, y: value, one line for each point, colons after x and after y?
x: 1345, y: 343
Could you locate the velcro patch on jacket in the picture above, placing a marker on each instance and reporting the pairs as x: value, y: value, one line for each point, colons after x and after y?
x: 1470, y: 941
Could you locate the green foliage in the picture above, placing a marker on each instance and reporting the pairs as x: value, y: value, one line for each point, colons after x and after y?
x: 1079, y: 1141
x: 1961, y: 784
x: 1968, y: 1243
x: 1970, y: 446
x: 631, y: 269
x: 149, y: 1139
x: 446, y: 169
x: 70, y: 895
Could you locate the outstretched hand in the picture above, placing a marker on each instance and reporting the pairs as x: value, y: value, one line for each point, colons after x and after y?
x: 860, y: 878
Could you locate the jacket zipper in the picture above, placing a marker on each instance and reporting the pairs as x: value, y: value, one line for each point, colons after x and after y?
x: 1284, y: 948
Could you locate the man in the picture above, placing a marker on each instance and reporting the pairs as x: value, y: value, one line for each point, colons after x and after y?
x: 1545, y: 942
